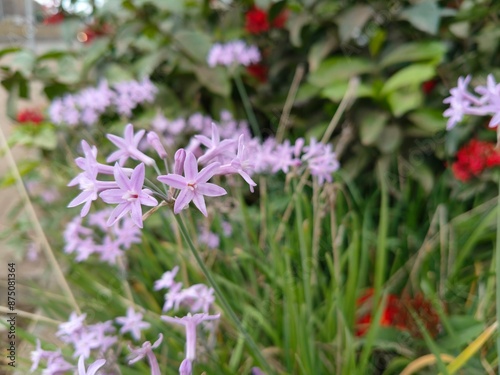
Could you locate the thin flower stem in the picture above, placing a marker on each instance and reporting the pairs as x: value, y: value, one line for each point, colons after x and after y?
x: 227, y: 308
x: 248, y: 107
x: 38, y: 227
x: 28, y: 315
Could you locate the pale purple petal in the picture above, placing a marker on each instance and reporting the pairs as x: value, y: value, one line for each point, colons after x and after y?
x: 210, y: 190
x: 199, y: 202
x: 207, y: 172
x: 174, y: 180
x: 118, y: 213
x: 112, y: 196
x: 185, y: 196
x: 190, y: 167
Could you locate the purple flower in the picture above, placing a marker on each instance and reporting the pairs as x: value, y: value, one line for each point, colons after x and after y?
x: 190, y: 322
x: 109, y: 250
x: 92, y: 370
x: 215, y: 147
x: 146, y: 351
x: 461, y: 101
x: 39, y: 354
x: 167, y: 279
x: 73, y: 325
x: 132, y: 323
x: 241, y: 164
x: 129, y: 195
x: 128, y: 147
x: 193, y: 185
x: 155, y: 142
x: 232, y: 53
x: 56, y: 365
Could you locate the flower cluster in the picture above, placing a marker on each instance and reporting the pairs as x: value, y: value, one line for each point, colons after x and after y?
x: 85, y: 106
x: 30, y: 116
x: 97, y: 238
x: 236, y: 52
x: 474, y: 158
x: 170, y: 130
x: 257, y: 20
x: 196, y: 298
x: 399, y: 313
x: 463, y: 102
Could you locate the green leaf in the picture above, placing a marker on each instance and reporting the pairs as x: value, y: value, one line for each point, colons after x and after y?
x: 295, y: 24
x: 320, y: 50
x: 68, y: 71
x: 194, y: 44
x: 352, y: 21
x: 372, y: 124
x: 336, y: 91
x: 431, y: 120
x: 389, y: 139
x: 24, y: 61
x: 115, y: 73
x: 404, y: 100
x: 6, y: 51
x: 412, y: 75
x: 424, y: 15
x: 45, y: 138
x: 148, y: 63
x: 306, y: 92
x: 376, y: 41
x: 216, y: 80
x: 173, y: 6
x: 94, y: 52
x: 424, y: 175
x: 337, y: 69
x: 417, y: 51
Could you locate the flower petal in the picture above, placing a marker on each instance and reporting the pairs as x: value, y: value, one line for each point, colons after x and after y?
x: 207, y: 172
x: 174, y: 180
x: 112, y: 196
x: 185, y: 196
x: 137, y: 178
x: 210, y: 190
x: 199, y: 202
x: 190, y: 167
x: 118, y: 213
x: 120, y: 178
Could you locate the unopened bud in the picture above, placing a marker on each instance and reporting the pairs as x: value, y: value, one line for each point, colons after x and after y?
x: 155, y: 142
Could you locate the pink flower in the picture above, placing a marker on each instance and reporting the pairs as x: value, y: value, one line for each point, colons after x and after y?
x: 128, y: 147
x: 132, y: 323
x: 92, y: 368
x: 193, y: 185
x: 146, y: 351
x: 129, y: 195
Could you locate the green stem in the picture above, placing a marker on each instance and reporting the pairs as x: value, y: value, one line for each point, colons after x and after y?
x: 381, y: 256
x: 497, y: 271
x: 248, y: 107
x: 227, y: 308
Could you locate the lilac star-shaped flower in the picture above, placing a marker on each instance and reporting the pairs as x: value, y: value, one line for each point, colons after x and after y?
x: 190, y: 322
x: 215, y: 146
x: 193, y: 185
x: 128, y: 147
x: 132, y: 323
x: 167, y: 279
x: 146, y: 351
x: 129, y: 195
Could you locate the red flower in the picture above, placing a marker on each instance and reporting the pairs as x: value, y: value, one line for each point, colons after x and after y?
x: 474, y: 158
x: 259, y: 71
x: 428, y: 86
x: 54, y: 19
x: 387, y: 319
x: 399, y: 313
x: 30, y: 116
x: 280, y: 20
x: 256, y: 21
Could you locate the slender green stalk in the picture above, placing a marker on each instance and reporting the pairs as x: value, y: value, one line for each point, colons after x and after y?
x: 381, y: 256
x: 227, y: 308
x: 248, y: 107
x: 306, y: 276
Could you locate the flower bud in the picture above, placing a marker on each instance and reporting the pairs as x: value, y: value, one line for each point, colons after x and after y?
x: 179, y: 158
x: 155, y: 142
